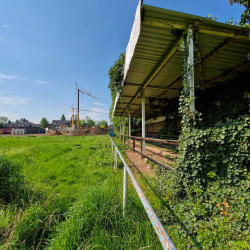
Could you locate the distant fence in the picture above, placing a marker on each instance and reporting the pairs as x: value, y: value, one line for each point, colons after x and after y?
x: 141, y: 139
x: 158, y: 227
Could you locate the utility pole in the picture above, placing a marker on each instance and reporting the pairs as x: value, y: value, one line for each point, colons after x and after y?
x: 86, y: 93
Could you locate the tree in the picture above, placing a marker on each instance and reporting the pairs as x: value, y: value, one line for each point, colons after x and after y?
x: 83, y: 122
x: 44, y: 123
x: 89, y: 121
x: 103, y: 123
x: 63, y: 118
x: 3, y: 119
x: 116, y: 74
x: 1, y: 125
x: 23, y: 120
x: 245, y: 16
x: 9, y: 122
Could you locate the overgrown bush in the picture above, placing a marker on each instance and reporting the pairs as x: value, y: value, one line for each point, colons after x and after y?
x: 217, y: 153
x: 209, y: 194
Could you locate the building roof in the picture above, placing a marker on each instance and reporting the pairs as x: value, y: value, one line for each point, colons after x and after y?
x: 154, y: 56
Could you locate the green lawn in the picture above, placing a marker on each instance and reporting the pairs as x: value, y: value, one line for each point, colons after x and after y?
x: 70, y: 197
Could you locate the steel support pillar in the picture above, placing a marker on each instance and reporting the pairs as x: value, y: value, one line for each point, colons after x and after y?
x: 129, y: 127
x: 120, y: 129
x: 115, y: 161
x: 143, y: 118
x: 125, y: 187
x: 123, y: 128
x: 191, y: 75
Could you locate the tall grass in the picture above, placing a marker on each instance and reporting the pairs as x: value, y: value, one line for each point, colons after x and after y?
x: 11, y: 181
x: 75, y: 198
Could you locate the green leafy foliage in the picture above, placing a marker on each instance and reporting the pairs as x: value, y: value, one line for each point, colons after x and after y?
x: 44, y: 123
x: 3, y: 119
x: 245, y: 16
x: 1, y: 125
x: 116, y: 74
x: 210, y: 191
x: 63, y: 117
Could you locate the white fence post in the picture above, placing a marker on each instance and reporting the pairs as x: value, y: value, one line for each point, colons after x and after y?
x: 115, y: 165
x: 125, y: 187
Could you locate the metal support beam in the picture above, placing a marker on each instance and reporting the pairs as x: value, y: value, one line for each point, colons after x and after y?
x: 143, y: 118
x: 115, y: 161
x: 120, y: 128
x: 129, y: 127
x: 123, y: 125
x: 191, y: 68
x: 214, y: 52
x: 158, y: 68
x: 78, y: 108
x: 170, y: 24
x: 150, y: 87
x: 227, y: 72
x: 125, y: 187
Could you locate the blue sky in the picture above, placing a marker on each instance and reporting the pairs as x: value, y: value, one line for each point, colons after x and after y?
x: 46, y: 46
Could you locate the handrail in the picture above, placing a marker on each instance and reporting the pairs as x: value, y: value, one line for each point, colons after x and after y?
x: 171, y: 142
x: 158, y: 227
x: 152, y: 159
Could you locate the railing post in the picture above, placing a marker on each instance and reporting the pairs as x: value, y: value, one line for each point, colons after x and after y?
x: 129, y: 128
x: 125, y: 187
x: 133, y: 145
x: 123, y: 125
x: 115, y: 162
x: 120, y: 129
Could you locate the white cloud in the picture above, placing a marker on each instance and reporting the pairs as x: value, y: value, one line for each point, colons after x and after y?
x: 10, y: 77
x: 6, y: 27
x: 13, y: 100
x: 41, y: 82
x: 97, y: 103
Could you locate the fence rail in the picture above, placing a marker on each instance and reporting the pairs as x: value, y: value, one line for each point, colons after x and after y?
x: 141, y: 139
x: 158, y: 227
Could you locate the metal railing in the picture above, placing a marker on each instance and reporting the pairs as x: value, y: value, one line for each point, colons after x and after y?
x: 141, y: 139
x: 158, y: 227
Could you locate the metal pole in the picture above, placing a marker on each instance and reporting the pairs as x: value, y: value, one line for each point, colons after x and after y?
x: 115, y: 165
x: 125, y: 187
x: 129, y: 126
x: 78, y: 110
x: 165, y: 240
x: 143, y: 118
x: 191, y: 64
x: 120, y: 129
x: 123, y: 129
x: 142, y: 148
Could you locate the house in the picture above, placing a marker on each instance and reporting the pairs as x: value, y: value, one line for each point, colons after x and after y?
x: 57, y: 124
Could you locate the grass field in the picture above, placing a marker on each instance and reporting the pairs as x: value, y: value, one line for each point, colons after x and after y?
x: 69, y: 197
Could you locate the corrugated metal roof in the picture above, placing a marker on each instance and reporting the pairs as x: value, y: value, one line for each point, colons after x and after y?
x: 222, y: 47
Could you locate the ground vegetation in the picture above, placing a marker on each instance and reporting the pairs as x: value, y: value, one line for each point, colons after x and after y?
x: 62, y: 192
x: 209, y: 191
